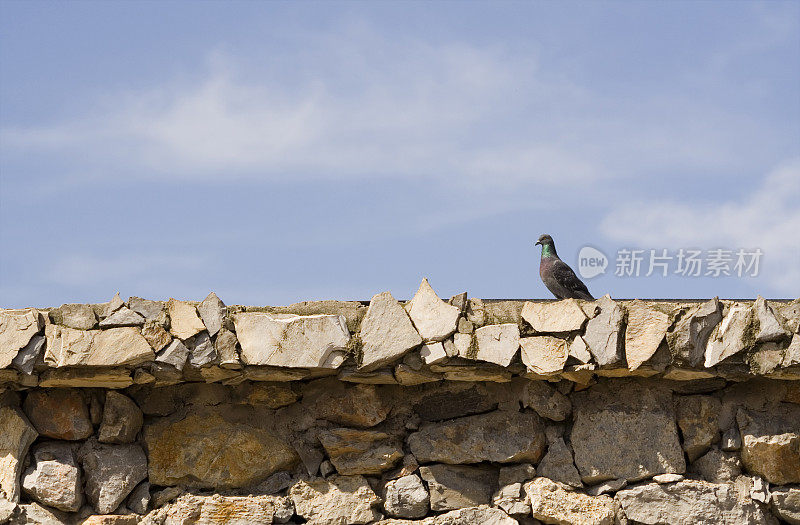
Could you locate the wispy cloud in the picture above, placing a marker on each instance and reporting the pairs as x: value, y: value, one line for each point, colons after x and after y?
x: 768, y: 218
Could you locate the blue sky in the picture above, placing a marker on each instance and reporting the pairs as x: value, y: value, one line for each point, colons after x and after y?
x: 276, y: 152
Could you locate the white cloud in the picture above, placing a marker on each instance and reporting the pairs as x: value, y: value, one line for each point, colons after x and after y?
x: 768, y: 218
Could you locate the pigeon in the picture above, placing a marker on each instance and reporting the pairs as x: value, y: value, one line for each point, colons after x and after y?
x: 557, y: 275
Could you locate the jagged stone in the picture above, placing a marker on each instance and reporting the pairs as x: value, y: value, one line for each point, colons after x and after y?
x: 735, y: 333
x: 603, y: 334
x: 112, y: 472
x: 15, y: 439
x: 27, y: 356
x: 74, y: 315
x: 225, y: 345
x: 354, y: 451
x: 339, y: 500
x: 387, y: 332
x: 473, y: 439
x: 511, y: 499
x: 148, y: 309
x: 771, y: 443
x: 551, y: 503
x: 464, y: 326
x: 786, y: 504
x: 481, y: 514
x: 139, y: 499
x: 644, y: 332
x: 458, y: 486
x: 432, y: 353
x: 59, y: 413
x: 155, y: 335
x: 625, y: 431
x: 95, y: 348
x: 497, y: 343
x: 174, y: 355
x: 434, y: 319
x: 557, y: 464
x: 554, y: 317
x: 698, y: 420
x: 731, y: 440
x: 360, y: 405
x: 668, y: 478
x: 183, y: 319
x: 112, y: 306
x: 35, y: 514
x: 769, y: 328
x: 214, y: 446
x: 122, y: 419
x: 459, y: 345
x: 406, y: 497
x: 579, y: 350
x: 17, y: 327
x: 270, y: 395
x: 689, y: 502
x: 122, y: 317
x: 53, y: 477
x: 315, y: 341
x: 201, y: 351
x: 212, y: 311
x: 688, y: 339
x: 546, y: 400
x: 544, y: 354
x: 717, y: 466
x: 216, y: 509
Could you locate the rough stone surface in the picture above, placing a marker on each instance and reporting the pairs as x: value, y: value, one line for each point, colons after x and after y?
x: 786, y: 504
x: 717, y: 466
x: 516, y: 474
x: 88, y: 378
x: 452, y: 400
x: 26, y: 358
x: 689, y: 337
x: 53, y: 477
x: 359, y: 405
x: 473, y: 439
x: 139, y: 499
x: 216, y: 509
x: 201, y: 351
x: 112, y: 472
x: 406, y: 497
x: 603, y: 333
x: 544, y: 354
x: 731, y: 336
x: 183, y: 319
x: 554, y: 317
x: 225, y: 345
x: 212, y: 311
x: 122, y: 317
x: 122, y: 419
x: 155, y: 335
x: 771, y: 443
x: 434, y: 319
x: 625, y: 432
x: 354, y: 451
x: 15, y: 439
x: 59, y: 413
x: 698, y: 420
x: 497, y: 343
x: 557, y: 464
x: 315, y: 341
x: 17, y: 327
x: 769, y: 328
x: 457, y: 486
x: 387, y: 332
x: 511, y: 499
x: 691, y: 502
x: 220, y: 446
x: 95, y: 348
x: 482, y: 515
x: 551, y: 503
x: 339, y: 500
x: 432, y: 353
x: 174, y: 355
x: 148, y: 309
x: 645, y: 330
x: 546, y: 400
x: 74, y: 315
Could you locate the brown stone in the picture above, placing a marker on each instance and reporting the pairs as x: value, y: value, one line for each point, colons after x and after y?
x: 15, y: 439
x: 122, y: 419
x: 59, y: 413
x: 771, y: 443
x: 698, y: 420
x: 354, y: 451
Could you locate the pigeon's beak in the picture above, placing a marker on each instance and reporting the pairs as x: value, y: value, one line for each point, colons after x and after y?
x: 537, y: 242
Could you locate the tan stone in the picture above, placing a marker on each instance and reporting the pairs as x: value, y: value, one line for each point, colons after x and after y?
x: 497, y: 343
x: 95, y: 348
x: 771, y: 443
x: 110, y: 519
x: 645, y: 331
x: 360, y: 405
x: 155, y: 335
x: 354, y: 451
x: 59, y: 413
x: 17, y: 327
x: 183, y: 319
x: 731, y: 336
x: 434, y: 319
x: 387, y: 332
x: 467, y: 371
x: 74, y: 315
x: 16, y: 437
x: 339, y: 500
x: 53, y: 477
x: 270, y: 395
x: 458, y: 486
x: 554, y: 316
x: 551, y: 503
x: 544, y: 354
x: 216, y: 509
x: 82, y: 378
x: 407, y: 376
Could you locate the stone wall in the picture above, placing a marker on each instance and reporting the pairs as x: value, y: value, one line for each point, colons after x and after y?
x: 437, y: 412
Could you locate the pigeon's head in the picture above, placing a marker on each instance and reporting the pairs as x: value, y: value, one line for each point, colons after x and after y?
x: 544, y: 240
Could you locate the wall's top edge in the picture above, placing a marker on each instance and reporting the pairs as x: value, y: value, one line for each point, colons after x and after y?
x: 385, y: 341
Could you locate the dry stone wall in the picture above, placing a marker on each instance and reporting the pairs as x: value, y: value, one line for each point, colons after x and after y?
x: 435, y: 412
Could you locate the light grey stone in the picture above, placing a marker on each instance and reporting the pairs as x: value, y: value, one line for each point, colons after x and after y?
x: 74, y: 315
x: 481, y: 514
x: 457, y: 486
x: 95, y: 348
x: 339, y: 500
x: 769, y: 328
x: 771, y: 443
x: 15, y: 439
x: 201, y: 351
x: 690, y: 502
x: 17, y: 327
x: 139, y: 499
x: 387, y: 332
x: 112, y: 472
x: 314, y: 341
x: 786, y: 504
x: 731, y: 336
x: 698, y: 420
x: 53, y: 477
x: 646, y: 327
x: 225, y: 344
x: 122, y: 317
x: 432, y: 353
x: 212, y: 311
x: 552, y: 503
x: 579, y: 350
x: 668, y: 478
x: 546, y: 400
x: 26, y: 358
x: 473, y: 439
x: 717, y: 466
x: 183, y: 319
x: 148, y: 309
x: 175, y: 355
x: 688, y: 339
x: 607, y: 487
x: 7, y: 509
x: 113, y: 305
x: 35, y: 514
x: 731, y: 440
x: 434, y: 319
x: 544, y: 354
x: 554, y: 316
x: 406, y: 497
x: 557, y: 464
x: 625, y: 429
x: 511, y: 499
x: 496, y: 343
x: 516, y: 474
x: 122, y: 419
x: 603, y: 335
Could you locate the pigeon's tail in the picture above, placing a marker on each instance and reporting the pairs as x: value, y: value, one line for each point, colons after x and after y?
x: 586, y: 296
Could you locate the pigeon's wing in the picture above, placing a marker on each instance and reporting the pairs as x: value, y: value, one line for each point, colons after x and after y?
x: 567, y: 278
